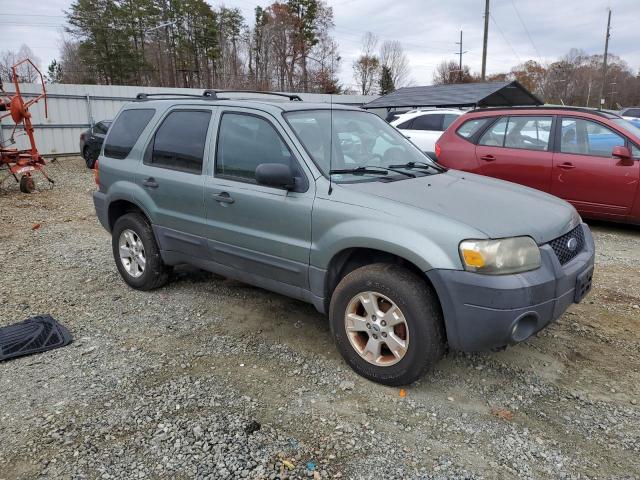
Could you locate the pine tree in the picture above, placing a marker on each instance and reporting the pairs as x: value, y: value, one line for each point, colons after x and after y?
x: 386, y: 81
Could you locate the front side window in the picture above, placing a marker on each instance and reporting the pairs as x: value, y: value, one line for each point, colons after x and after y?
x: 588, y: 138
x: 349, y: 139
x: 432, y: 122
x: 449, y: 118
x: 632, y: 112
x: 125, y: 132
x: 246, y: 141
x: 179, y: 141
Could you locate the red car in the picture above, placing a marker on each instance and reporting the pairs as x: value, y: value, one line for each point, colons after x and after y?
x: 588, y: 157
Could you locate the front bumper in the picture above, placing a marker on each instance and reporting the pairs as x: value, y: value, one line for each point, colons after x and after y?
x: 483, y: 312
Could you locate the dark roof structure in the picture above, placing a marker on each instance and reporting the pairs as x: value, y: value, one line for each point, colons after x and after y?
x: 484, y: 94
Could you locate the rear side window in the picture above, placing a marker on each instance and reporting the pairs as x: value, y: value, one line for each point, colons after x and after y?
x: 246, y: 141
x: 428, y: 122
x: 469, y: 128
x: 405, y: 125
x: 632, y: 112
x: 100, y: 128
x: 494, y: 136
x: 125, y: 132
x: 529, y: 133
x: 179, y: 141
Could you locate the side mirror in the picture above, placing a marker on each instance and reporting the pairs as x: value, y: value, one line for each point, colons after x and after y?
x: 275, y: 175
x: 624, y: 154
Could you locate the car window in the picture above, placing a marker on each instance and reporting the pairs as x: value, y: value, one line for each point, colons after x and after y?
x: 100, y: 128
x: 449, y: 118
x: 179, y: 141
x: 432, y: 122
x: 246, y: 141
x: 588, y: 138
x: 470, y: 127
x: 125, y: 132
x: 632, y: 112
x: 494, y: 137
x: 405, y: 125
x: 529, y: 133
x: 635, y: 151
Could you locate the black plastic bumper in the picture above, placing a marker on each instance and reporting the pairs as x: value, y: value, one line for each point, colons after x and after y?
x: 482, y: 312
x: 100, y: 202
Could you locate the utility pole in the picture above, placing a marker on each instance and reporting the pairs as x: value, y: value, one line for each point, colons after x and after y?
x: 604, y: 63
x: 484, y: 42
x: 460, y: 53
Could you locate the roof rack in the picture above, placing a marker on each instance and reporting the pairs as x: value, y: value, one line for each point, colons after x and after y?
x: 602, y: 113
x: 213, y: 95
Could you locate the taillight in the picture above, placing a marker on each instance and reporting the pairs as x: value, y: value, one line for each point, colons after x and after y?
x: 438, y: 150
x: 96, y: 173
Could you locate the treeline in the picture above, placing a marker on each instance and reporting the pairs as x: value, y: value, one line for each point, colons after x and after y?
x: 575, y: 79
x: 187, y: 43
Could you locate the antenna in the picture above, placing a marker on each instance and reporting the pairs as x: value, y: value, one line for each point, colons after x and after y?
x: 330, y: 140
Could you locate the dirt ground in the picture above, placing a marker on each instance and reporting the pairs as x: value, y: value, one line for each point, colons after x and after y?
x: 164, y: 383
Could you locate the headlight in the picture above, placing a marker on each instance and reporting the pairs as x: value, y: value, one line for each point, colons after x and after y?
x: 498, y: 257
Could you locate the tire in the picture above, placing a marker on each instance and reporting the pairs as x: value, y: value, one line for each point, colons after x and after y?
x: 155, y: 273
x: 422, y: 327
x: 88, y: 158
x: 27, y: 185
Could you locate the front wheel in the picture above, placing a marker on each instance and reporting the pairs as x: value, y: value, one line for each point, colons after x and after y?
x: 387, y: 324
x: 137, y: 254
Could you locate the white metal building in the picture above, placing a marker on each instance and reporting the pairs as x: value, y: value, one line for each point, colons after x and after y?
x: 74, y: 108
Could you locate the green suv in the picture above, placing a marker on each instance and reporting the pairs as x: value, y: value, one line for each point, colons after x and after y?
x: 331, y: 205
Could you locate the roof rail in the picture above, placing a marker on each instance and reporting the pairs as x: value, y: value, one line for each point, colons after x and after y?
x: 291, y: 97
x: 601, y: 113
x: 213, y: 95
x: 144, y: 96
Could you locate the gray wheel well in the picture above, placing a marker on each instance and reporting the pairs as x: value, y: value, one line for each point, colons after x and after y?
x: 350, y: 259
x: 119, y: 208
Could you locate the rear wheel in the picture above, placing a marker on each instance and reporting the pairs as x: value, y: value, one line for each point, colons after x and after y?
x: 137, y: 254
x: 88, y: 157
x: 27, y: 185
x: 387, y: 323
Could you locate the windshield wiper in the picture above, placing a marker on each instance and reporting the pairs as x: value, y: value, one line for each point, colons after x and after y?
x: 419, y: 164
x: 372, y: 169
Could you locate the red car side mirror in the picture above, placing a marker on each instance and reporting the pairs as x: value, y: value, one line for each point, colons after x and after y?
x: 624, y: 154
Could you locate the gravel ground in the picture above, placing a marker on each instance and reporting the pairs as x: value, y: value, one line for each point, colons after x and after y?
x: 209, y: 378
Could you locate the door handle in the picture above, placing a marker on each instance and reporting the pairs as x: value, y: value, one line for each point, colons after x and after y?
x: 566, y: 166
x: 150, y: 183
x: 488, y: 158
x: 223, y: 197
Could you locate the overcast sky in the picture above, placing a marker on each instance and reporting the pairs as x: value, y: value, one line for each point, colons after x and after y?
x: 427, y: 29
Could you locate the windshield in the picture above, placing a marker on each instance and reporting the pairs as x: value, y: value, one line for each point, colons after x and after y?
x: 358, y: 139
x: 629, y: 127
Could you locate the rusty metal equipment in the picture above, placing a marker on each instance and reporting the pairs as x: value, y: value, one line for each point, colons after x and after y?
x: 21, y: 164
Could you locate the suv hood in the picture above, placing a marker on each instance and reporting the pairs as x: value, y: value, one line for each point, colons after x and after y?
x: 495, y: 207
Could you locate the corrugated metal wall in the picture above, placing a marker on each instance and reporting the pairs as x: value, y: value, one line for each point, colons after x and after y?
x: 73, y: 108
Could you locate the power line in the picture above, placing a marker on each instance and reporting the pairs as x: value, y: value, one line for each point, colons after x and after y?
x: 505, y: 38
x: 526, y: 30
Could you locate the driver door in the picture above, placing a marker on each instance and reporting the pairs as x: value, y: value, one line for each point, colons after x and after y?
x: 261, y: 230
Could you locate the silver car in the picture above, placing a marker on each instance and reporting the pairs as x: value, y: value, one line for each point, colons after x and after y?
x: 333, y: 206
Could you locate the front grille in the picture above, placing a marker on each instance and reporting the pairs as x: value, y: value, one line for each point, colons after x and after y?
x: 561, y: 245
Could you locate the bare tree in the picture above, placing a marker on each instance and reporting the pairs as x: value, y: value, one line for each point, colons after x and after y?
x: 449, y: 72
x: 366, y: 68
x: 25, y: 72
x: 393, y: 57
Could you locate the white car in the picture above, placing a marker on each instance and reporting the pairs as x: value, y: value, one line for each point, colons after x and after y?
x: 424, y: 127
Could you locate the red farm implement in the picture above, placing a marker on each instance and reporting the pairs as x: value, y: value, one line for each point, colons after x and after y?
x: 21, y: 164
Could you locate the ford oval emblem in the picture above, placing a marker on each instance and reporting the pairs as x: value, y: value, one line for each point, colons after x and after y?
x: 572, y: 244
